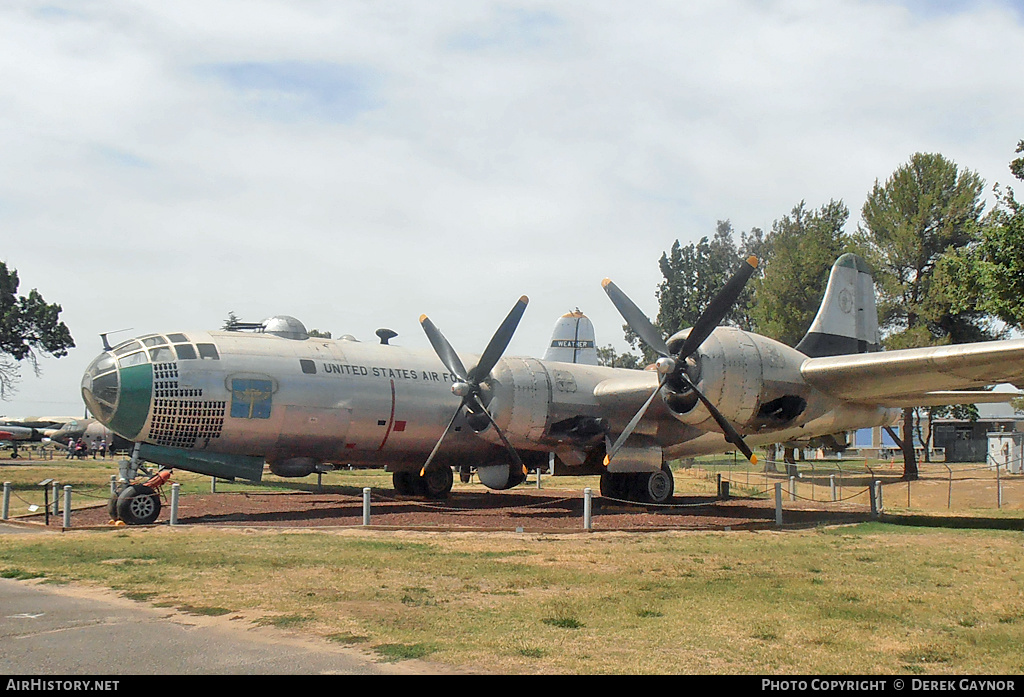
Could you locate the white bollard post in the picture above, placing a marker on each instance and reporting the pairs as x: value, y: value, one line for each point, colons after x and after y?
x: 366, y: 505
x: 878, y: 495
x: 538, y: 477
x: 55, y: 503
x: 588, y: 507
x: 7, y: 501
x: 175, y: 493
x: 832, y: 486
x: 67, y: 506
x: 792, y: 488
x: 778, y: 503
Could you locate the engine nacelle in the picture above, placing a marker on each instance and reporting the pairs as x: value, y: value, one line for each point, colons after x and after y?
x: 754, y: 381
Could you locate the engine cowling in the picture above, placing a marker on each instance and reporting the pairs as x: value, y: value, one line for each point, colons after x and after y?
x: 754, y: 381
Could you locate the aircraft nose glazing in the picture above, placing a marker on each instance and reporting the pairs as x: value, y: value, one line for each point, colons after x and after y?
x: 100, y: 387
x: 118, y: 388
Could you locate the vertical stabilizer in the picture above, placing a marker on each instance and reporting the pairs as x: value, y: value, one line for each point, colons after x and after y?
x: 573, y: 340
x: 847, y: 321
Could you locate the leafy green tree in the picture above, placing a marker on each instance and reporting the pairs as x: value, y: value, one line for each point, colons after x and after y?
x: 693, y: 274
x: 926, y: 212
x: 797, y: 255
x: 990, y: 275
x: 29, y: 326
x: 606, y: 355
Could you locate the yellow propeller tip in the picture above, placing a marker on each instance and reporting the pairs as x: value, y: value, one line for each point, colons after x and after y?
x: 423, y: 318
x: 753, y: 459
x: 607, y: 460
x: 423, y: 472
x: 605, y: 282
x: 753, y: 261
x: 523, y: 299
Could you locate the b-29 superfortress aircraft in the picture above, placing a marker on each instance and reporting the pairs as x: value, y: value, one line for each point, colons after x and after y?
x: 225, y: 403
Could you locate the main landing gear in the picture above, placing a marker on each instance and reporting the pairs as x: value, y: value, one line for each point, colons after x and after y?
x: 436, y: 483
x: 641, y: 487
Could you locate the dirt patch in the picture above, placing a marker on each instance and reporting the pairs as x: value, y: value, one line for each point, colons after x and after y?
x: 535, y: 511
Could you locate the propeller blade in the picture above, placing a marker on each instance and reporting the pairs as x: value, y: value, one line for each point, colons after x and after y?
x: 731, y: 434
x: 718, y: 308
x: 626, y: 432
x: 437, y: 446
x: 499, y: 342
x: 443, y: 349
x: 515, y: 456
x: 636, y: 319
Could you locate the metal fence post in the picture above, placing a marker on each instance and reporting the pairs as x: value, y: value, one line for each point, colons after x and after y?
x: 67, y: 505
x: 878, y: 486
x: 792, y: 488
x: 832, y: 485
x: 366, y: 505
x: 588, y: 503
x: 871, y: 497
x: 113, y: 484
x: 778, y: 503
x: 56, y: 499
x: 175, y: 493
x: 213, y: 485
x: 7, y: 501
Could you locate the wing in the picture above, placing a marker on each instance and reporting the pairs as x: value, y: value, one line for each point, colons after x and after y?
x: 920, y: 377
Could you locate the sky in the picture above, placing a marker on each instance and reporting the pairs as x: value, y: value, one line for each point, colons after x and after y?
x: 358, y: 164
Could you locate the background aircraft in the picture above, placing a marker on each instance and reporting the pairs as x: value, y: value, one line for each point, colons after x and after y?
x: 226, y: 403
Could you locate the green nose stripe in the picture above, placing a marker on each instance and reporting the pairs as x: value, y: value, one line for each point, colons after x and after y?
x: 133, y: 401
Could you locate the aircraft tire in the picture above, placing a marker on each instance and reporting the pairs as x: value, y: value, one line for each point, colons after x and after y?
x: 138, y: 505
x: 437, y: 483
x: 656, y: 487
x: 112, y: 502
x: 616, y: 485
x: 404, y: 483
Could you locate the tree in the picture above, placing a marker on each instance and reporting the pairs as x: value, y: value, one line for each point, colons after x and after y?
x: 798, y: 254
x: 29, y: 326
x: 990, y: 275
x: 317, y: 334
x: 607, y: 356
x: 693, y: 275
x: 926, y: 212
x: 231, y: 324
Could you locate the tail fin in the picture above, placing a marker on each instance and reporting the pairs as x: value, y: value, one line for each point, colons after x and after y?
x: 847, y: 321
x: 573, y: 340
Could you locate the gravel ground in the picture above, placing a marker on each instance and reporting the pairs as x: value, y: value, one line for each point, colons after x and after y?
x: 533, y: 511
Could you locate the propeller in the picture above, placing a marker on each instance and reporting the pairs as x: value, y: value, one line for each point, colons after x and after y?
x: 468, y: 385
x: 672, y: 366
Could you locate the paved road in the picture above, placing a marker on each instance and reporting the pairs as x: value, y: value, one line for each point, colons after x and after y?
x: 55, y: 631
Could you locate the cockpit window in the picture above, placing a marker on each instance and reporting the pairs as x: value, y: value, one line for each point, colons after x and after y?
x: 178, y: 338
x: 127, y: 347
x: 162, y: 354
x: 154, y: 341
x: 133, y: 359
x: 208, y: 351
x: 185, y: 351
